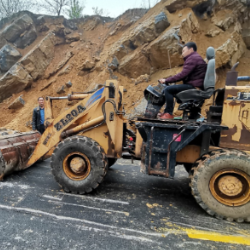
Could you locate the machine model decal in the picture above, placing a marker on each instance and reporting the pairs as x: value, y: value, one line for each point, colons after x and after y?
x: 47, y: 139
x: 69, y: 117
x: 95, y: 97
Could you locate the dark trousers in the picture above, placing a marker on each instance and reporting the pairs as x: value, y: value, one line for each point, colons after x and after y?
x: 41, y: 129
x: 171, y: 92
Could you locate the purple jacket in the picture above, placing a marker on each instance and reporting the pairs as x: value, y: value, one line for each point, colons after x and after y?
x: 193, y: 73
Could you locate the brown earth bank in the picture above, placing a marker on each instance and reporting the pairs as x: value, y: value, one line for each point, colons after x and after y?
x: 137, y: 49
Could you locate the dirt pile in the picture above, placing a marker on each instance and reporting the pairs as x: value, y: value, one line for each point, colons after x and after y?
x: 137, y: 48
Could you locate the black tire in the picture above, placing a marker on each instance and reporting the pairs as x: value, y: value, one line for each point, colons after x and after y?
x: 111, y: 162
x: 188, y: 166
x: 93, y: 156
x: 211, y: 165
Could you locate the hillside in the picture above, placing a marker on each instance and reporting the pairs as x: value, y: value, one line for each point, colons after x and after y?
x: 40, y: 54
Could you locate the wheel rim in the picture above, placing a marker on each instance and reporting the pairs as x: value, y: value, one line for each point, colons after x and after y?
x: 76, y: 166
x: 231, y: 187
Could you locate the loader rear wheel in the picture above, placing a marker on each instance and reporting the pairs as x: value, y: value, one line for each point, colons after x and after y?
x: 78, y: 164
x: 220, y: 183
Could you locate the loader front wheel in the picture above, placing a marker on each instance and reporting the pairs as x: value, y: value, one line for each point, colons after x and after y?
x: 111, y: 162
x: 78, y: 164
x: 220, y: 183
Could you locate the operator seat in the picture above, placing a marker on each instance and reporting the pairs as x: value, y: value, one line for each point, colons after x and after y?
x: 192, y: 100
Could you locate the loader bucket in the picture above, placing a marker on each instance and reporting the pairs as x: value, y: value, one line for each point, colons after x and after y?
x: 15, y: 150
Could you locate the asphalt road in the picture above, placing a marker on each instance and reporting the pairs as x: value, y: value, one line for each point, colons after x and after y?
x: 128, y: 211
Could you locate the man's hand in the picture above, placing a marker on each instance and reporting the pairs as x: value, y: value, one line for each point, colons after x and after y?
x: 162, y: 81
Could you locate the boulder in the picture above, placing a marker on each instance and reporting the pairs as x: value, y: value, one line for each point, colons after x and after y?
x: 39, y: 58
x: 143, y: 33
x: 60, y: 90
x: 223, y: 19
x: 14, y: 81
x: 73, y: 37
x: 29, y: 68
x: 142, y: 78
x: 87, y: 65
x: 165, y: 52
x: 27, y: 38
x: 189, y: 26
x: 134, y: 65
x: 69, y: 84
x: 114, y: 64
x: 120, y: 52
x: 161, y: 22
x: 13, y: 31
x: 213, y: 32
x: 8, y: 57
x: 175, y: 5
x: 17, y: 103
x: 231, y: 51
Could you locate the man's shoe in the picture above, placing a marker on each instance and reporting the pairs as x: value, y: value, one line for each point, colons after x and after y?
x: 166, y: 116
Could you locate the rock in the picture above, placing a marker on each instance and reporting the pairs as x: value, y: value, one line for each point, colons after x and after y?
x: 121, y: 52
x: 231, y: 51
x: 29, y: 124
x: 13, y: 31
x: 161, y: 22
x: 14, y: 81
x: 87, y: 65
x: 59, y: 30
x: 66, y: 70
x: 175, y: 5
x: 223, y: 19
x: 8, y: 57
x: 29, y: 68
x: 39, y: 58
x: 68, y: 84
x: 60, y: 65
x: 213, y: 32
x: 60, y: 90
x: 17, y: 103
x: 142, y: 78
x: 27, y: 38
x: 114, y: 64
x: 73, y: 37
x: 134, y: 65
x: 164, y: 52
x: 143, y: 33
x: 189, y: 26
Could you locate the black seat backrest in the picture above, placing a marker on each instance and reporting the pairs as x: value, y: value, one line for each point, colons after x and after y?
x: 210, y: 77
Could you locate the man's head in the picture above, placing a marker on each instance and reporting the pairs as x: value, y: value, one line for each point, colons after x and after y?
x: 41, y: 102
x: 189, y: 48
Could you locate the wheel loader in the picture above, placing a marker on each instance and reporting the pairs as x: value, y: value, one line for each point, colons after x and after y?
x: 86, y: 139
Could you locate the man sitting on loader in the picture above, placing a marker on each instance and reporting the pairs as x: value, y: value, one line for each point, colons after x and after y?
x: 192, y: 75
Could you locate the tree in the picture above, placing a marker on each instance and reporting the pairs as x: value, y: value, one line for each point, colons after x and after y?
x: 99, y: 11
x: 9, y: 7
x: 75, y: 10
x: 55, y: 6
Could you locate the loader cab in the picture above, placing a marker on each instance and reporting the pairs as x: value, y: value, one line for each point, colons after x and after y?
x: 192, y: 100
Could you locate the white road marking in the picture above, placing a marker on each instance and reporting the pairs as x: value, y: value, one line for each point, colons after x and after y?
x: 53, y: 197
x: 65, y: 218
x: 12, y: 184
x: 95, y: 208
x: 98, y: 199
